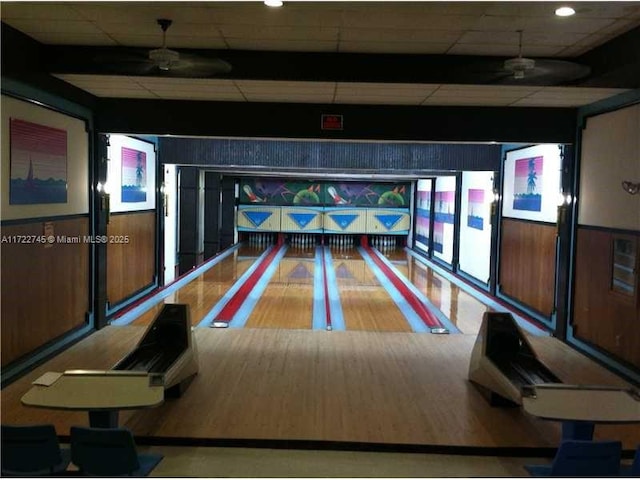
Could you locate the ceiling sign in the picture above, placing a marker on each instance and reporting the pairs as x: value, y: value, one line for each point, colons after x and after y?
x: 331, y: 122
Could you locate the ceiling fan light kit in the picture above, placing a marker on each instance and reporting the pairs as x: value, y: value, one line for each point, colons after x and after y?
x: 164, y: 58
x: 519, y: 66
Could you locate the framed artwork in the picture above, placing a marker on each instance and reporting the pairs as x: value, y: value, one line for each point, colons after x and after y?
x: 476, y: 208
x: 531, y: 183
x: 134, y: 175
x: 38, y: 163
x: 131, y: 174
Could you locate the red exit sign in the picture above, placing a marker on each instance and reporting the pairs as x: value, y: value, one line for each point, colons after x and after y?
x: 331, y: 122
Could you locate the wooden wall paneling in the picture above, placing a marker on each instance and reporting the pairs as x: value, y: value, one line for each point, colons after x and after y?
x: 605, y: 318
x: 527, y: 263
x: 45, y: 287
x: 131, y: 250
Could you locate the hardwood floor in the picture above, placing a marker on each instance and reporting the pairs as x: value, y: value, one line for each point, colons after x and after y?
x: 350, y: 386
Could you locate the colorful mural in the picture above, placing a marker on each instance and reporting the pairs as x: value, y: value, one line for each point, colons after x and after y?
x: 527, y: 178
x: 38, y: 164
x: 347, y: 194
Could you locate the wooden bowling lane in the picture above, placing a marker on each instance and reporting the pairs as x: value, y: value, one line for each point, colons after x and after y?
x: 203, y: 292
x: 287, y: 301
x: 366, y: 305
x: 464, y: 310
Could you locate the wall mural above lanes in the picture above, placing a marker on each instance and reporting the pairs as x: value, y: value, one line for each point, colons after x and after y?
x: 347, y: 194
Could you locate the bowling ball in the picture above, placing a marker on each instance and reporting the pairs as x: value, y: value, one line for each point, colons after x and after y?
x: 306, y: 197
x: 392, y: 199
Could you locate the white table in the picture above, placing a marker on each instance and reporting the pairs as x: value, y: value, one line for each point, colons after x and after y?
x: 103, y: 393
x: 580, y: 407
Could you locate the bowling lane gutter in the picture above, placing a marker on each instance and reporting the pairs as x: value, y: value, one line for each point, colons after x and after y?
x: 416, y: 303
x: 235, y: 299
x: 144, y: 304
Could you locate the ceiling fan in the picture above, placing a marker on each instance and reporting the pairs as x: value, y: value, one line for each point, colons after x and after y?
x: 529, y: 71
x: 162, y: 61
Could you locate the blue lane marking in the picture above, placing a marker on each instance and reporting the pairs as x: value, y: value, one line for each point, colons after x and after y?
x: 319, y: 313
x: 335, y: 306
x: 487, y: 300
x: 242, y: 315
x: 444, y: 320
x: 414, y: 320
x: 135, y: 312
x: 211, y: 315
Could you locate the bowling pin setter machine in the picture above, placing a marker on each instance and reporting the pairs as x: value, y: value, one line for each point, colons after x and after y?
x: 167, y: 348
x: 503, y: 361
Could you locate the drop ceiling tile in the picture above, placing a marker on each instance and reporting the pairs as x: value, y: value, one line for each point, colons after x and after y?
x: 406, y: 19
x: 424, y: 48
x: 142, y: 13
x: 56, y: 26
x: 282, y: 45
x: 376, y: 100
x: 545, y: 24
x: 43, y: 11
x: 547, y: 102
x: 283, y: 84
x: 120, y: 93
x: 489, y: 91
x: 151, y: 41
x: 528, y: 39
x: 376, y: 89
x: 279, y: 32
x: 99, y: 80
x: 505, y: 50
x: 288, y: 98
x: 96, y: 40
x: 400, y: 35
x: 184, y: 83
x: 455, y: 100
x: 209, y: 96
x: 608, y: 9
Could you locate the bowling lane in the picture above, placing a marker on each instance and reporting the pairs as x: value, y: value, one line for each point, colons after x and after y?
x: 287, y: 301
x: 464, y: 310
x: 366, y: 305
x: 203, y: 292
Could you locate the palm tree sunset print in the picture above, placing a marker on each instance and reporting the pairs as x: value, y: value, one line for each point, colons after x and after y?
x: 134, y: 176
x: 526, y: 184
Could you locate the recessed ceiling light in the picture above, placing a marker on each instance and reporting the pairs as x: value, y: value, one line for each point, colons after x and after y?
x: 273, y: 3
x: 565, y: 11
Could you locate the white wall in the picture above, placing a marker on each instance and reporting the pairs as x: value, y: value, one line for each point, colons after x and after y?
x: 170, y: 222
x: 475, y: 243
x: 610, y: 155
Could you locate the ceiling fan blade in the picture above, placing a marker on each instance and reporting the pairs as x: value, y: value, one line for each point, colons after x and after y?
x: 197, y: 65
x: 549, y: 72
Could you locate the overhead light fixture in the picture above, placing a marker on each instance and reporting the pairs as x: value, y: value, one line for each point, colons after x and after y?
x: 273, y: 3
x: 565, y: 11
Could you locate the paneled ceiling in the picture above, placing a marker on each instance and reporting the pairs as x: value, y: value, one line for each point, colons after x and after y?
x: 393, y: 53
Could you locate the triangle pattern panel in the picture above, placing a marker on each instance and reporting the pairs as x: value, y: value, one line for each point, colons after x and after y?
x: 389, y: 220
x: 343, y: 220
x: 302, y: 219
x: 257, y: 218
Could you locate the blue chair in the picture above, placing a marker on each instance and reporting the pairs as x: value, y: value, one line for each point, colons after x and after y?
x: 582, y: 458
x: 632, y: 470
x: 109, y: 452
x: 32, y: 450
